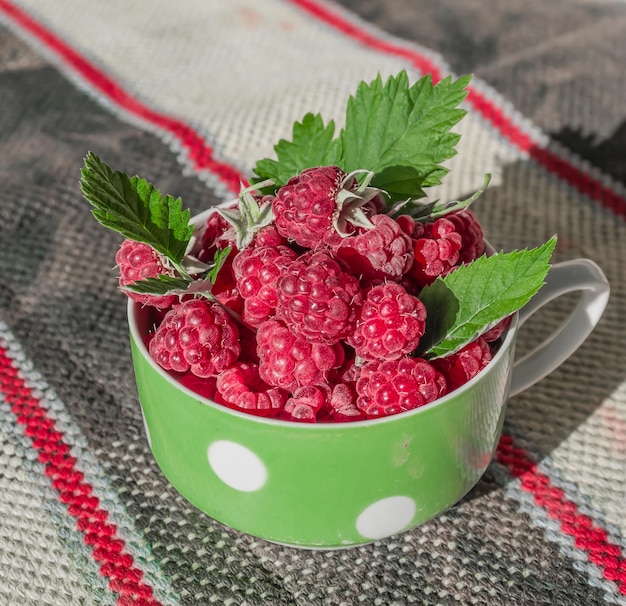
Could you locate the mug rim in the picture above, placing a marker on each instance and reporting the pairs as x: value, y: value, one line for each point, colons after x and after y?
x: 133, y: 309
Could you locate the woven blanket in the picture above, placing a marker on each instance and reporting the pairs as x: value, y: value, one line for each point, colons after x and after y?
x: 189, y: 95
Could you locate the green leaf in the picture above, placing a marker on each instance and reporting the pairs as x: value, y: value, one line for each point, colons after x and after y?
x: 440, y: 210
x: 392, y: 124
x: 218, y: 261
x: 400, y: 182
x: 442, y: 308
x: 312, y: 145
x: 161, y: 285
x: 136, y: 209
x: 430, y: 211
x: 169, y: 285
x: 486, y: 290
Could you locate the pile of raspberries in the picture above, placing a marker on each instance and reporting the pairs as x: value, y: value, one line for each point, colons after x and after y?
x: 309, y: 324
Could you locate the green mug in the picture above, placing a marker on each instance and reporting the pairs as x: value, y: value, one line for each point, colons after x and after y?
x: 343, y: 484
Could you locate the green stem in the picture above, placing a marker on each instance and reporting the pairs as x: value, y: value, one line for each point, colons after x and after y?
x: 179, y: 268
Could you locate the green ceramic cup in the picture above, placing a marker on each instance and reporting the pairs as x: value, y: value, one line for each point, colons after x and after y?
x: 338, y: 485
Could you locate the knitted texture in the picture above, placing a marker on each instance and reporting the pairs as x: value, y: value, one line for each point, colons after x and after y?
x: 86, y: 516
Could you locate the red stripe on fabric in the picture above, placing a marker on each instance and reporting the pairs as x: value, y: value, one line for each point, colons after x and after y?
x: 116, y: 564
x: 199, y: 153
x: 587, y: 535
x: 332, y: 18
x: 564, y: 169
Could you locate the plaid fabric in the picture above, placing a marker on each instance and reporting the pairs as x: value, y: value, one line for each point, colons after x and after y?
x: 190, y: 95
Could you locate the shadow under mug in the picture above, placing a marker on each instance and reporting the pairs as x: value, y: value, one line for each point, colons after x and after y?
x: 344, y: 484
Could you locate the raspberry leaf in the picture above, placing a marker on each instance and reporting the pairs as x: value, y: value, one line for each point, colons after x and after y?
x: 442, y: 209
x: 161, y: 285
x: 218, y: 261
x: 312, y: 144
x: 172, y: 285
x: 442, y: 308
x: 429, y: 211
x: 485, y: 291
x: 402, y: 132
x: 136, y: 209
x: 404, y: 182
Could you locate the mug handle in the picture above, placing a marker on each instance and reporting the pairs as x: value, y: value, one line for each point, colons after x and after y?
x: 570, y: 276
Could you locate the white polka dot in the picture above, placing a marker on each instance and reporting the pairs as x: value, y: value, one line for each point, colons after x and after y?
x: 237, y: 466
x: 385, y: 517
x: 145, y: 426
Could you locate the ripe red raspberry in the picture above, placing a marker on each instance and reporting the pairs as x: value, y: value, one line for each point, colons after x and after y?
x: 342, y: 404
x: 247, y: 341
x: 197, y: 336
x: 349, y: 372
x: 138, y: 261
x: 382, y: 252
x: 437, y: 247
x: 305, y: 206
x: 393, y: 386
x: 268, y: 236
x: 217, y: 234
x: 318, y: 299
x: 494, y: 333
x: 390, y: 324
x: 257, y: 271
x: 473, y: 243
x: 288, y: 361
x: 241, y: 387
x: 205, y: 387
x: 407, y: 224
x: 460, y: 367
x: 305, y: 403
x: 225, y: 287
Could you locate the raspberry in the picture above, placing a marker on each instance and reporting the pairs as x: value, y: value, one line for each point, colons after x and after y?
x: 305, y: 402
x: 494, y: 333
x: 225, y: 287
x: 305, y: 206
x: 342, y: 404
x: 197, y: 336
x: 205, y: 387
x: 460, y: 367
x: 473, y: 243
x: 288, y: 361
x: 228, y: 296
x: 390, y: 324
x: 382, y: 252
x: 317, y: 299
x: 257, y: 271
x: 247, y: 341
x: 217, y: 234
x: 350, y: 371
x: 437, y: 247
x: 268, y: 236
x: 138, y: 261
x: 410, y: 285
x: 241, y: 387
x: 393, y: 386
x: 407, y: 224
